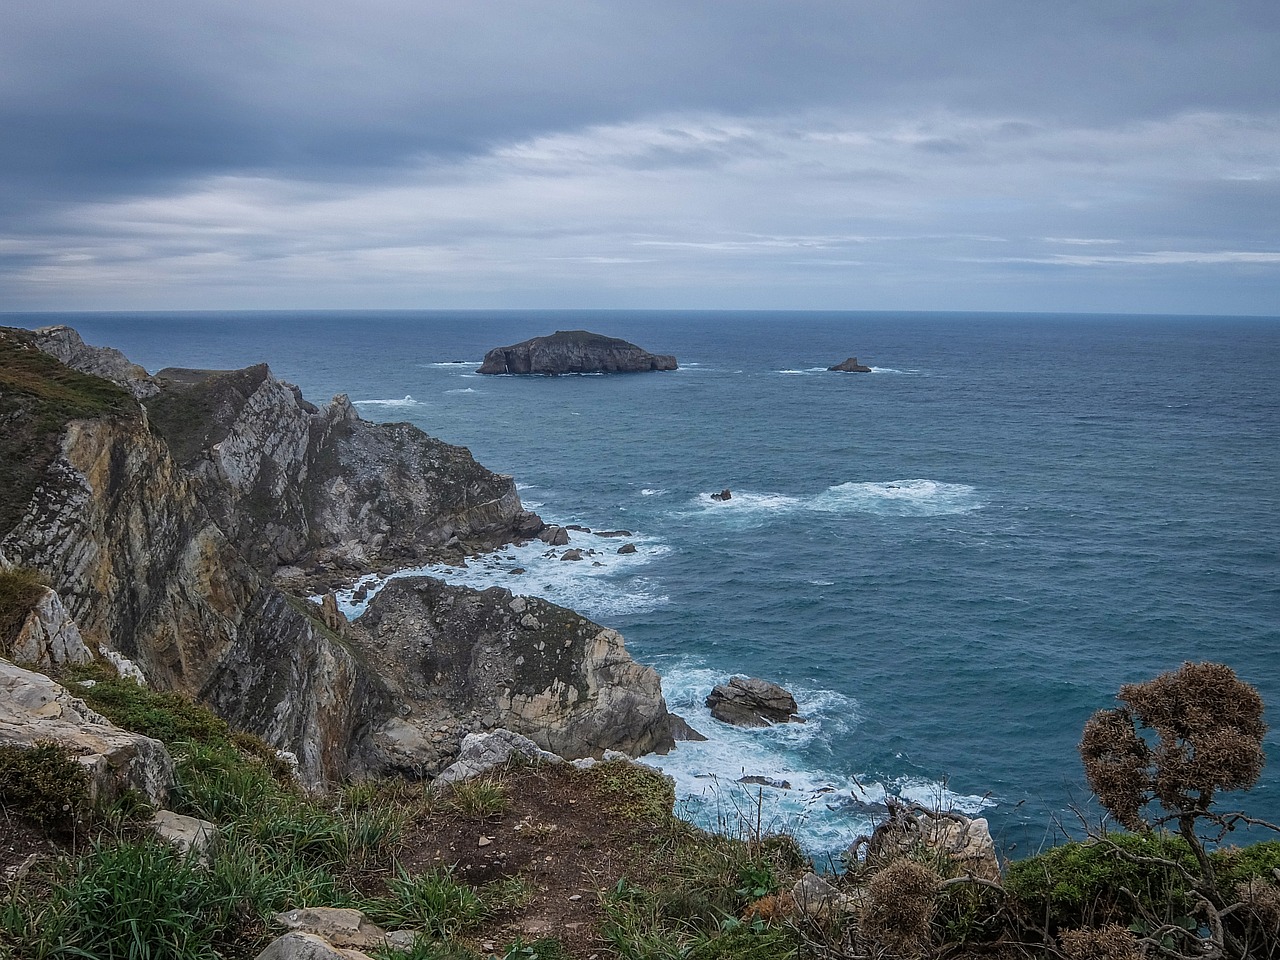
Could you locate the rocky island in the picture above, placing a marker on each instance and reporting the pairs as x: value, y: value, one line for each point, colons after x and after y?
x: 573, y: 351
x: 850, y: 365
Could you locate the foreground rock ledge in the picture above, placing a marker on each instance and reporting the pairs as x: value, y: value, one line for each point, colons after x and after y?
x: 573, y: 351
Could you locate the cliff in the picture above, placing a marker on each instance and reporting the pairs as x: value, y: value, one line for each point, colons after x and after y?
x: 573, y: 351
x: 158, y: 524
x: 468, y: 661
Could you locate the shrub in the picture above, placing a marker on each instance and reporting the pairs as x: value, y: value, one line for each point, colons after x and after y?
x: 1096, y: 882
x: 44, y: 785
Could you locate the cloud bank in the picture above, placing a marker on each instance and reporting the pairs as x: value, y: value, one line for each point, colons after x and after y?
x: 832, y: 155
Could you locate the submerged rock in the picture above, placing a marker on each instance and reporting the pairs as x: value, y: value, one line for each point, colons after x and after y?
x: 573, y: 351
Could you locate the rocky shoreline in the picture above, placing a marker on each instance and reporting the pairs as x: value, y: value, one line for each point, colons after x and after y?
x: 180, y: 520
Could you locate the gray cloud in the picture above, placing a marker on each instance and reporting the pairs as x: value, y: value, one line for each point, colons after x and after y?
x: 407, y: 153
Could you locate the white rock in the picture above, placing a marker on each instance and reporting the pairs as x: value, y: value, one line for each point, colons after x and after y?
x: 185, y: 833
x: 34, y: 709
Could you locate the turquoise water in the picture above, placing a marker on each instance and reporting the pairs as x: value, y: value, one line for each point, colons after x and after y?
x: 952, y: 560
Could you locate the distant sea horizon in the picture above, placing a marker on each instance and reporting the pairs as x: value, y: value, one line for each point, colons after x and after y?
x: 952, y: 560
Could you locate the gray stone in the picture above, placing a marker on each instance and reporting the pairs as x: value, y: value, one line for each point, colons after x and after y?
x: 814, y: 896
x: 49, y: 637
x: 185, y: 833
x: 35, y: 709
x: 307, y: 946
x: 850, y: 366
x: 750, y: 702
x: 482, y: 752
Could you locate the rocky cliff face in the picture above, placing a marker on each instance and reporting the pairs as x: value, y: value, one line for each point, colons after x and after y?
x: 161, y: 558
x: 573, y: 351
x: 296, y: 485
x: 119, y: 532
x: 470, y: 661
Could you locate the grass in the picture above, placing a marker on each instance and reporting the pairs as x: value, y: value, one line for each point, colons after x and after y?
x: 479, y: 799
x: 43, y: 785
x: 38, y: 398
x: 20, y: 589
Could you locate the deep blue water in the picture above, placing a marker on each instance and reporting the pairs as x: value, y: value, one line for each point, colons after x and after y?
x: 953, y: 560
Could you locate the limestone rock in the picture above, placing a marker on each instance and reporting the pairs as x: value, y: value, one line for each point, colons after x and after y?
x: 341, y: 927
x: 749, y: 702
x: 814, y: 897
x: 290, y: 482
x: 65, y: 344
x: 680, y: 730
x: 49, y: 637
x: 540, y: 670
x: 35, y: 709
x: 573, y: 351
x: 307, y: 946
x: 966, y: 841
x: 850, y: 366
x: 185, y: 833
x: 482, y: 752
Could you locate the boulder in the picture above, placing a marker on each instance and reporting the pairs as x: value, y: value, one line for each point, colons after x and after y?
x: 35, y: 709
x: 185, y: 833
x: 307, y: 946
x: 749, y: 702
x: 850, y: 366
x: 626, y: 548
x: 573, y: 351
x: 482, y: 660
x: 964, y: 840
x: 571, y: 555
x: 724, y: 494
x: 680, y: 730
x: 482, y: 752
x: 49, y: 637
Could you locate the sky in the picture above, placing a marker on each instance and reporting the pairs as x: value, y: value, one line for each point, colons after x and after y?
x: 987, y: 155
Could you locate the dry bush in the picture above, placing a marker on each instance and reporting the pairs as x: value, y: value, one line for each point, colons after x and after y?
x: 899, y: 908
x: 1112, y: 942
x: 771, y: 908
x: 1209, y: 729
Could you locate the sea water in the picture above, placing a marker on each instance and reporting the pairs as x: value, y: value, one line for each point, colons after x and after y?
x: 952, y: 561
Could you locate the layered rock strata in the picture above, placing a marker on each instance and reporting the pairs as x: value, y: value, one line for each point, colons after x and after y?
x: 165, y: 560
x: 750, y: 702
x: 573, y: 351
x: 472, y: 661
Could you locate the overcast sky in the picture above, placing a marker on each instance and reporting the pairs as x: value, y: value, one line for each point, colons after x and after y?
x: 1117, y: 155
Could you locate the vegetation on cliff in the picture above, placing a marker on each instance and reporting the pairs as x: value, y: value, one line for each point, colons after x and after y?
x: 38, y: 397
x: 557, y: 862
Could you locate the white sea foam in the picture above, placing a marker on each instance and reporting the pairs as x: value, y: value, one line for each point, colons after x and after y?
x: 899, y: 498
x: 604, y: 585
x: 652, y: 492
x: 464, y: 390
x: 896, y: 498
x: 825, y: 809
x: 454, y: 363
x: 405, y: 401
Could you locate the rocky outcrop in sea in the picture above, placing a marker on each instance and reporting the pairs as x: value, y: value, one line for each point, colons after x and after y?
x: 850, y: 365
x: 573, y: 351
x: 162, y: 526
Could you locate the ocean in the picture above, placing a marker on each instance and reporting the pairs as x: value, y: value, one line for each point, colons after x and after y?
x: 951, y: 561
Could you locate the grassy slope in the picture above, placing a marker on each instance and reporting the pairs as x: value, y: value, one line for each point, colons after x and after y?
x: 38, y: 397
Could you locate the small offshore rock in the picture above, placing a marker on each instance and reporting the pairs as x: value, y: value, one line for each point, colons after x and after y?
x: 724, y: 494
x: 574, y: 554
x: 680, y: 730
x: 627, y: 548
x: 751, y: 702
